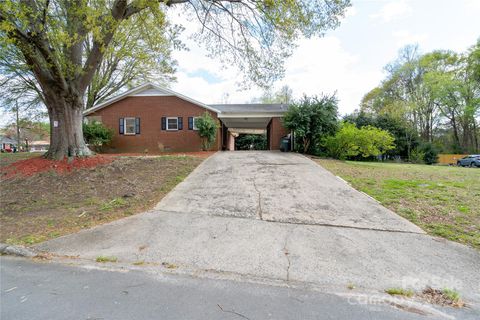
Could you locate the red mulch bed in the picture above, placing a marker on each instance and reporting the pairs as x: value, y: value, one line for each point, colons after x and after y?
x: 29, y: 167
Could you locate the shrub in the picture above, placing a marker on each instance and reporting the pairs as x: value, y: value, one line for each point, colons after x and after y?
x: 207, y: 130
x: 351, y: 141
x: 430, y: 153
x: 311, y: 119
x: 417, y: 156
x: 96, y: 134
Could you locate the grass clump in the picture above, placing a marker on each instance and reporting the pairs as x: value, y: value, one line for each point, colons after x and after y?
x: 104, y: 259
x: 400, y: 292
x: 113, y: 204
x: 451, y: 294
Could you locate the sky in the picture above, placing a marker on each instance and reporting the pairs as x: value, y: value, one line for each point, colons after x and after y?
x: 349, y: 59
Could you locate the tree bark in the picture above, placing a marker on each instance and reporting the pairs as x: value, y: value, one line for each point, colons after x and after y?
x: 66, y: 132
x: 455, y: 131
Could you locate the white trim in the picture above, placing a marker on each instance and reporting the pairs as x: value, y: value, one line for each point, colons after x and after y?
x: 137, y: 91
x: 152, y: 95
x: 193, y: 123
x: 251, y: 115
x: 167, y: 123
x: 125, y: 126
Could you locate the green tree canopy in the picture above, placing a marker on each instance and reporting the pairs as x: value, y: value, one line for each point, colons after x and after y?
x: 311, y: 119
x: 437, y: 93
x: 351, y: 141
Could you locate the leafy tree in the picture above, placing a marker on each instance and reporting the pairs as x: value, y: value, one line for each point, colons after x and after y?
x: 130, y: 60
x: 342, y: 145
x: 311, y: 119
x: 406, y: 139
x: 135, y: 56
x: 207, y: 130
x: 53, y: 37
x: 351, y: 141
x: 97, y: 135
x: 437, y: 94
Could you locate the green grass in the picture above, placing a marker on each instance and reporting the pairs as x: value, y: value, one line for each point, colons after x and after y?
x: 105, y: 259
x: 26, y: 240
x: 451, y: 294
x: 113, y: 204
x: 444, y: 201
x: 400, y: 292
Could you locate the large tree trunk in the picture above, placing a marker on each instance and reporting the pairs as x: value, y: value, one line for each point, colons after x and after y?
x: 66, y: 132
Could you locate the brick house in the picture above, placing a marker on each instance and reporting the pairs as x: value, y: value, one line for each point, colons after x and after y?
x: 153, y: 119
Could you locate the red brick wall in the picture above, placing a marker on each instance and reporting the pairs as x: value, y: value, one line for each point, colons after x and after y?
x: 277, y: 131
x: 152, y: 138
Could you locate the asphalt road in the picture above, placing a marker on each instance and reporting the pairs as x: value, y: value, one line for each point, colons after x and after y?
x: 37, y: 290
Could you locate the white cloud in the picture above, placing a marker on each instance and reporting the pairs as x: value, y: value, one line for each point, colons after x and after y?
x: 318, y: 65
x: 350, y: 12
x: 404, y: 38
x: 473, y: 4
x: 323, y: 65
x: 393, y: 10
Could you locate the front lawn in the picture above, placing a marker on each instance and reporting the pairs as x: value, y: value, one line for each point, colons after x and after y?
x: 444, y: 201
x: 52, y: 203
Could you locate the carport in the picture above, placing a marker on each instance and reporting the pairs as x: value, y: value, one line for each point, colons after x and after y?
x: 252, y: 119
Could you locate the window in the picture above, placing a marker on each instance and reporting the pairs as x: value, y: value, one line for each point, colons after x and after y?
x: 129, y: 126
x: 195, y: 123
x: 172, y: 123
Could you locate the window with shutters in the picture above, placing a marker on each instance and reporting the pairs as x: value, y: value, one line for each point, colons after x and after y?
x: 129, y: 126
x: 172, y: 123
x: 195, y: 123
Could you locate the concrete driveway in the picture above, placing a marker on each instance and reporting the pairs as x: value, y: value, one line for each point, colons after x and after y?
x: 276, y: 217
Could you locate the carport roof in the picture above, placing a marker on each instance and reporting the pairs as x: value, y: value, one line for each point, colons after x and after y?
x: 250, y: 108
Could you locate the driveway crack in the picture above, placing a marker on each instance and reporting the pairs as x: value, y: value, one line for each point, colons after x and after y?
x: 232, y: 312
x: 286, y: 252
x: 259, y: 201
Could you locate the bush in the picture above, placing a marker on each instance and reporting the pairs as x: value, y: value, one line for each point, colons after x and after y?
x: 430, y: 153
x: 207, y: 130
x: 417, y: 156
x: 406, y: 138
x: 96, y: 134
x: 311, y: 119
x: 351, y: 141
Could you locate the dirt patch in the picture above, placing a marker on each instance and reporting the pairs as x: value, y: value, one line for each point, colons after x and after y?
x: 51, y: 203
x: 441, y: 297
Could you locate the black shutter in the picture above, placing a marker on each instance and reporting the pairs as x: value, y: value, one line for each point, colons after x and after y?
x: 137, y: 125
x: 180, y: 123
x: 164, y: 123
x: 190, y: 123
x: 121, y: 128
